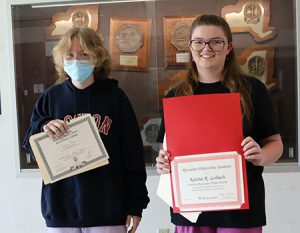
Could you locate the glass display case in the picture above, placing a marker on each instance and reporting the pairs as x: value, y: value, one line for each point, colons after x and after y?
x: 148, y: 42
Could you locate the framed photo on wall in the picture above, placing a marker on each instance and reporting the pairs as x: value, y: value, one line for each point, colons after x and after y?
x: 129, y: 43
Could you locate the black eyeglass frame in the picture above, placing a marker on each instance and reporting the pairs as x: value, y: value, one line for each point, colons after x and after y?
x: 208, y: 43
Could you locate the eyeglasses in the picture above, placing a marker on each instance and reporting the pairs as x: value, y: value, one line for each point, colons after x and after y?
x: 215, y: 45
x: 80, y: 56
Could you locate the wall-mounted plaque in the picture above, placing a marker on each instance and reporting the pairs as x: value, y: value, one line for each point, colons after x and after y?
x: 75, y: 16
x: 129, y: 43
x: 164, y: 87
x: 149, y: 132
x: 250, y: 16
x: 259, y: 62
x: 129, y: 38
x: 176, y: 39
x: 149, y: 127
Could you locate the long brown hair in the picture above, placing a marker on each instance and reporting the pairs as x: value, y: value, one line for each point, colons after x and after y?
x: 233, y: 78
x: 91, y: 43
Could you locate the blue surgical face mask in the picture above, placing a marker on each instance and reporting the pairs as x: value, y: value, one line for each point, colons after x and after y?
x: 78, y: 70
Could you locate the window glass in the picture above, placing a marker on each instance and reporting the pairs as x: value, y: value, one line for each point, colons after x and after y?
x: 148, y: 42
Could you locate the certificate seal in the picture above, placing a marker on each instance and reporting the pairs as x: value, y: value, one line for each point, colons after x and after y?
x: 180, y: 36
x: 129, y: 38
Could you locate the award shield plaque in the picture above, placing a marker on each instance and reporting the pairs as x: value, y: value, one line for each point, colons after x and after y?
x: 259, y: 62
x: 250, y: 16
x: 75, y: 16
x: 176, y: 40
x: 130, y: 43
x: 129, y: 38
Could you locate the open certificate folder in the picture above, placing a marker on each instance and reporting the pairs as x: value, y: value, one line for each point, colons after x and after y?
x: 208, y: 169
x: 80, y: 150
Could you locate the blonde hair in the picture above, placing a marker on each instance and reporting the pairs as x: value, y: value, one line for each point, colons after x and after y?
x: 92, y: 45
x: 233, y: 78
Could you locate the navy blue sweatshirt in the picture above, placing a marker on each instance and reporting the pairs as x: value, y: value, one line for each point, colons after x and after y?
x: 103, y: 196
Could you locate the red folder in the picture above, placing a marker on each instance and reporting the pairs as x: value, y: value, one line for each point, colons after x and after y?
x: 202, y: 124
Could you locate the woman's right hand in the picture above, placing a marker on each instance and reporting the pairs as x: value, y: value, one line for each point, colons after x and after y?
x: 56, y: 128
x: 162, y: 162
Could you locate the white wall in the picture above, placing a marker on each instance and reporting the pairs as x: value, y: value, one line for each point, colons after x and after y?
x: 20, y: 194
x: 282, y: 204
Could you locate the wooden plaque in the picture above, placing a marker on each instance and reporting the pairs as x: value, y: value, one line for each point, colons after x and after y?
x: 75, y: 16
x: 250, y: 16
x: 129, y: 43
x: 149, y: 131
x: 259, y: 62
x: 164, y: 87
x: 176, y: 40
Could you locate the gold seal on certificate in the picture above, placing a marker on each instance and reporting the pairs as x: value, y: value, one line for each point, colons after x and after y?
x: 80, y: 150
x: 129, y: 38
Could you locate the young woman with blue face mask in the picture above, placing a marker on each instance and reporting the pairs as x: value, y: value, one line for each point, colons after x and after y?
x: 78, y: 66
x: 105, y: 199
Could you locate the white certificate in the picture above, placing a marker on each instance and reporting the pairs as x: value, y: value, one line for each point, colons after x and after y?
x: 207, y: 182
x: 80, y: 150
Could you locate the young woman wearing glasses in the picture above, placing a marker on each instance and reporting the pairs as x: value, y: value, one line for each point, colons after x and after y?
x: 213, y: 68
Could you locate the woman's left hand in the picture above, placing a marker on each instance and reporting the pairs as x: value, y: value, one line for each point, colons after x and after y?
x: 135, y: 223
x: 252, y: 151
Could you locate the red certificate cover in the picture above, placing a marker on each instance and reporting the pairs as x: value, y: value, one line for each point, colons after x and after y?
x: 202, y: 124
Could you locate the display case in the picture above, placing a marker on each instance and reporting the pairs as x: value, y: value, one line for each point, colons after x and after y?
x: 153, y: 57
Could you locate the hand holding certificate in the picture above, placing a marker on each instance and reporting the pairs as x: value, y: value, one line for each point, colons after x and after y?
x: 204, y: 135
x: 80, y: 150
